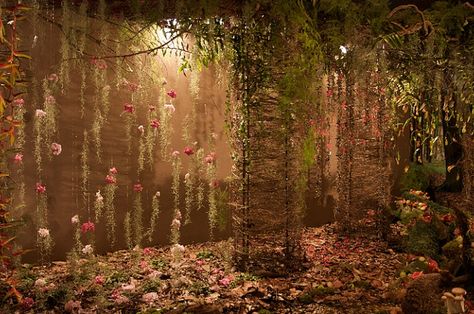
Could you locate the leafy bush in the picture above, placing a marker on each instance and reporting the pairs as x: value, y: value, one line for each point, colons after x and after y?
x: 418, y: 177
x: 422, y: 239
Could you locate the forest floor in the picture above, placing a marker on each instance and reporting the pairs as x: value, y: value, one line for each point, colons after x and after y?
x: 342, y: 275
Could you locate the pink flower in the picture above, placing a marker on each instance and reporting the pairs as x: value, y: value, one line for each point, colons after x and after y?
x: 171, y: 93
x: 99, y: 63
x: 133, y: 87
x: 72, y: 306
x: 113, y: 170
x: 175, y: 154
x: 329, y: 92
x: 138, y: 187
x: 144, y: 265
x: 27, y: 303
x: 19, y: 102
x: 18, y: 158
x: 226, y: 280
x: 155, y: 123
x: 147, y: 251
x: 110, y: 179
x: 200, y: 262
x: 88, y: 226
x: 40, y: 188
x: 426, y: 217
x: 128, y: 108
x: 210, y: 158
x: 99, y: 280
x: 56, y: 149
x: 416, y: 275
x: 433, y: 265
x: 447, y: 218
x: 214, y: 184
x: 188, y: 151
x: 53, y: 77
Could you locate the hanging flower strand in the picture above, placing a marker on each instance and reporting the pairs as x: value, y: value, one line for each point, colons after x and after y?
x: 109, y: 208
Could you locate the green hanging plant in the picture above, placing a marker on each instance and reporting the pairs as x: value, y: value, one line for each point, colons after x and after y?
x: 152, y: 133
x: 109, y: 207
x: 141, y: 149
x: 198, y: 174
x: 65, y: 52
x: 155, y: 211
x: 127, y: 226
x: 44, y: 240
x: 176, y: 222
x: 98, y: 205
x: 50, y: 125
x: 85, y: 171
x: 137, y: 219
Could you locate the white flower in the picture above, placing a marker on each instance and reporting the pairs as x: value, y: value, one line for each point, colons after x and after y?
x: 128, y: 287
x: 98, y: 197
x: 40, y: 283
x: 186, y: 177
x: 176, y: 223
x: 157, y: 194
x: 88, y: 249
x: 170, y: 108
x: 40, y: 113
x: 177, y: 249
x: 75, y: 219
x: 43, y: 232
x: 175, y: 154
x: 141, y: 129
x: 50, y: 99
x: 150, y: 297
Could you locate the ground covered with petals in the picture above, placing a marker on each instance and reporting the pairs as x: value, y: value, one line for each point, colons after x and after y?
x: 342, y: 275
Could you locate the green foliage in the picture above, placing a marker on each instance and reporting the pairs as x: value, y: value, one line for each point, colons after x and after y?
x: 422, y: 240
x: 200, y: 288
x: 151, y: 285
x: 315, y: 292
x: 158, y: 264
x: 205, y: 255
x: 418, y: 177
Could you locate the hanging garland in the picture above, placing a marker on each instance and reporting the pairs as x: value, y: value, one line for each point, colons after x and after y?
x: 155, y: 212
x: 176, y: 216
x: 109, y: 206
x: 85, y: 172
x: 137, y: 219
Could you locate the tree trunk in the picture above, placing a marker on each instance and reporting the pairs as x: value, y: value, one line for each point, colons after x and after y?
x: 451, y: 140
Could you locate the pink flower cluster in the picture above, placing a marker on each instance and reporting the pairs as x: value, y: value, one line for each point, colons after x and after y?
x: 56, y: 149
x: 40, y: 188
x: 172, y: 93
x: 127, y: 107
x: 210, y: 158
x: 188, y: 150
x: 110, y: 178
x: 138, y: 187
x: 155, y: 123
x: 87, y: 226
x: 99, y: 63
